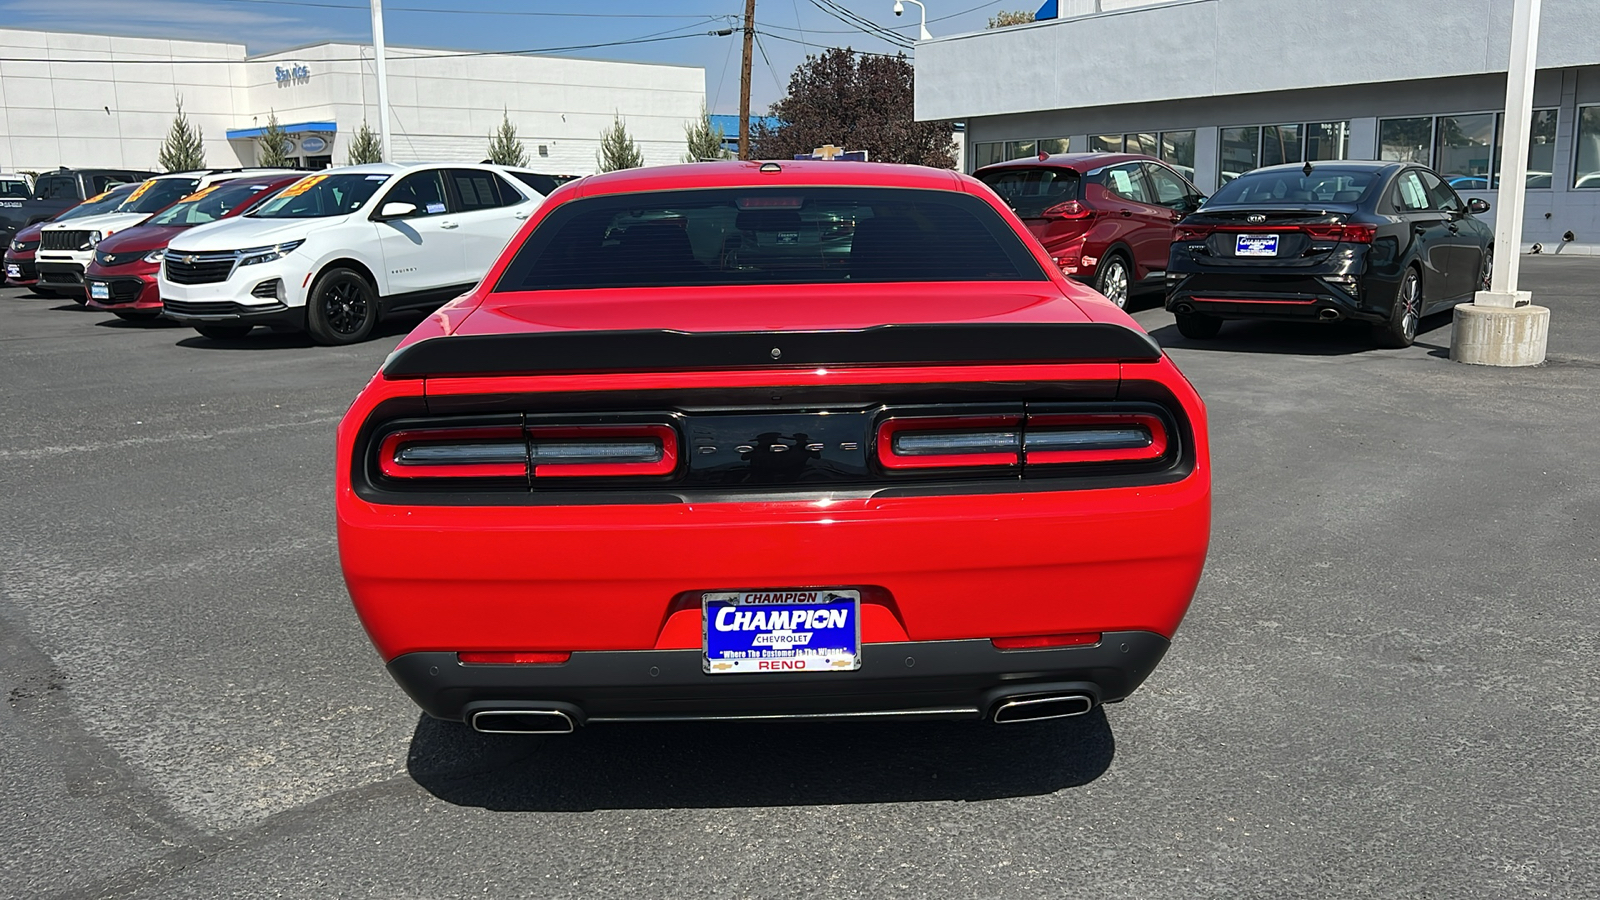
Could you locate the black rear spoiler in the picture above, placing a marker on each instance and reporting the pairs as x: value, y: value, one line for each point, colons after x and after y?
x: 663, y: 350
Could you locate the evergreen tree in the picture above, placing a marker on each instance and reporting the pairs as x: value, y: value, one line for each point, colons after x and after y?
x: 617, y: 148
x: 365, y: 147
x: 705, y: 141
x: 271, y: 146
x: 504, y: 147
x: 183, y: 149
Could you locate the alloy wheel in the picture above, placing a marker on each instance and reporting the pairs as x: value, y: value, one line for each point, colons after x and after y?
x: 1487, y: 269
x: 345, y: 306
x: 1114, y: 283
x: 1408, y: 298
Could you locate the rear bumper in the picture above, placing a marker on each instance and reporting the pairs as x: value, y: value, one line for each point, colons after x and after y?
x: 929, y: 679
x: 1328, y: 295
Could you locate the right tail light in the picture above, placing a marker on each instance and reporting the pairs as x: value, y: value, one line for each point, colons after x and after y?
x: 1025, y: 441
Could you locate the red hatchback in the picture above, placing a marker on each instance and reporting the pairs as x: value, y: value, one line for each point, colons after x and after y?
x: 1104, y: 218
x: 772, y: 440
x: 122, y: 277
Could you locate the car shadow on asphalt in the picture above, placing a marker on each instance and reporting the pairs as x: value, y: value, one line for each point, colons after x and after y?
x: 153, y: 322
x: 715, y: 765
x: 267, y: 339
x: 1290, y: 338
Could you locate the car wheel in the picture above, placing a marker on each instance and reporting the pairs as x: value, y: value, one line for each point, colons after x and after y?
x: 223, y: 332
x: 342, y: 308
x: 1486, y: 270
x: 1111, y: 280
x: 1401, y: 329
x: 1198, y: 326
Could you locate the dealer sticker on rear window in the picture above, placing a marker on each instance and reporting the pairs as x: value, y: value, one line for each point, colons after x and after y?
x: 1256, y: 245
x: 782, y: 631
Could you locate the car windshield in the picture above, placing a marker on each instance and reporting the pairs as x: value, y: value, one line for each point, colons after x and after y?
x: 1325, y: 184
x: 156, y: 194
x: 99, y: 203
x: 320, y: 196
x: 749, y: 236
x: 209, y: 204
x: 15, y: 189
x: 1032, y: 190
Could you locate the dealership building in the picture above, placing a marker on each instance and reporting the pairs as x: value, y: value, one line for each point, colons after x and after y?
x: 1219, y: 87
x: 88, y: 100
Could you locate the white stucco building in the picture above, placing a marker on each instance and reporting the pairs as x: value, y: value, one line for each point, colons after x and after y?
x: 84, y: 100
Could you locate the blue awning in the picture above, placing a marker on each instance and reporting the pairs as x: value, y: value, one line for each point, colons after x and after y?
x: 239, y: 134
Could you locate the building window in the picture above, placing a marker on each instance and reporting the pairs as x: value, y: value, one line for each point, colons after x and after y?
x: 1241, y: 149
x: 1280, y: 144
x: 1405, y: 140
x: 1142, y: 143
x: 1327, y: 140
x: 1541, y: 147
x: 987, y: 154
x: 1105, y: 143
x: 1463, y: 149
x: 1586, y: 174
x: 1020, y: 149
x: 1177, y: 151
x: 1055, y: 145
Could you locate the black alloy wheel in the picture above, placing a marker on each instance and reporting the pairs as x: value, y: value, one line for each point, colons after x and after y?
x: 1199, y: 326
x: 342, y: 309
x: 1112, y: 280
x: 1406, y: 314
x: 1486, y: 269
x: 223, y: 332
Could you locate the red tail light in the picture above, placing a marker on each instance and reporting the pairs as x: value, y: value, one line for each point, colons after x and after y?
x: 513, y: 657
x: 1071, y: 209
x: 1192, y: 232
x: 950, y: 441
x: 602, y: 451
x: 1358, y: 233
x: 1042, y: 641
x: 1094, y: 438
x: 498, y: 451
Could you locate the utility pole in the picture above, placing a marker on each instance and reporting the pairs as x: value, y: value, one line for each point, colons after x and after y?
x: 383, y: 79
x: 744, y: 78
x: 1501, y: 326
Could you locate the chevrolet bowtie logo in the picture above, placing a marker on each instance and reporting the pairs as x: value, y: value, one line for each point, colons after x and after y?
x: 188, y: 259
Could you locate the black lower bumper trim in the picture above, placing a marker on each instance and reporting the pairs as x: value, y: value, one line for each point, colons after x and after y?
x: 229, y: 313
x: 929, y: 679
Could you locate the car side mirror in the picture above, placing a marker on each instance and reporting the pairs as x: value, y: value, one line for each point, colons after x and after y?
x: 1477, y: 205
x: 1193, y: 202
x: 396, y: 210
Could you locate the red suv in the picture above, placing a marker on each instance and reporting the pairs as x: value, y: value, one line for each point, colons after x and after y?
x: 1105, y: 218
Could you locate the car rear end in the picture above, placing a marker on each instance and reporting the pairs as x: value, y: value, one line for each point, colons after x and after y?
x: 1048, y: 198
x: 955, y: 500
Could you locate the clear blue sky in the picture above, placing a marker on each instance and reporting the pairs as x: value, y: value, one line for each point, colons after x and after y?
x: 265, y: 25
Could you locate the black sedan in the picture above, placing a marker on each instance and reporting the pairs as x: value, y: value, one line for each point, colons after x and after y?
x: 1379, y: 242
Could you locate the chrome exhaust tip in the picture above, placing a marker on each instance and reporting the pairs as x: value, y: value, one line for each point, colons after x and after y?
x: 1042, y: 706
x: 1329, y: 315
x: 522, y: 721
x: 1183, y: 309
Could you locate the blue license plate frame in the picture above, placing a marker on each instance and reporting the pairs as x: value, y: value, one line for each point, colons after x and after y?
x: 805, y: 630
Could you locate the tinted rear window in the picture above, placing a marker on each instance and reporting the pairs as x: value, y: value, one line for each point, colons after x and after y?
x: 747, y: 236
x: 1323, y: 185
x: 1030, y: 191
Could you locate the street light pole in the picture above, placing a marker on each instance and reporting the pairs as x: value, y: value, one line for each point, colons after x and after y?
x: 899, y: 8
x: 383, y: 80
x: 1501, y: 326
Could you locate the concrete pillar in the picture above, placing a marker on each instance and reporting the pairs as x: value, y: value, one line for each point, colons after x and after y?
x: 1497, y: 336
x: 1207, y: 161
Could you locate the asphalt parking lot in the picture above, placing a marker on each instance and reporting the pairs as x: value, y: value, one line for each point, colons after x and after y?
x: 1386, y: 686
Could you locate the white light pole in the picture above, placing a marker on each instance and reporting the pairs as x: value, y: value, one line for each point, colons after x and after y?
x: 383, y: 80
x: 1501, y: 327
x: 899, y: 9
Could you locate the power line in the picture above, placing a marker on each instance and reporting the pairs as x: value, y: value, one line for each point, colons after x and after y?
x: 779, y: 37
x: 313, y: 4
x: 863, y: 24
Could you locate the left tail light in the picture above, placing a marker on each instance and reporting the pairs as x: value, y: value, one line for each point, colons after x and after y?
x: 497, y: 451
x: 602, y: 451
x: 504, y: 452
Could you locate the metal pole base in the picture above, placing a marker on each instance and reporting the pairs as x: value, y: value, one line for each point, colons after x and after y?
x: 1500, y: 335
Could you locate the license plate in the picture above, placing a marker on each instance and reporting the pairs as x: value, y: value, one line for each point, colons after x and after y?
x: 782, y: 631
x: 13, y: 271
x: 99, y: 290
x: 1256, y: 245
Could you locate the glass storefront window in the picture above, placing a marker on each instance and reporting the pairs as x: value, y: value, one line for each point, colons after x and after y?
x: 1541, y: 147
x: 1020, y: 149
x: 1405, y: 140
x: 1463, y: 147
x: 988, y: 153
x: 1240, y: 148
x: 1586, y: 174
x: 1177, y: 151
x: 1142, y: 143
x: 1055, y: 145
x: 1105, y: 143
x: 1327, y: 140
x: 1280, y: 144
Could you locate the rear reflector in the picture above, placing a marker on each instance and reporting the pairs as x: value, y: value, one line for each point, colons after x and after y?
x: 1042, y: 641
x: 950, y: 442
x: 498, y: 451
x: 602, y: 451
x: 1094, y: 438
x: 513, y: 657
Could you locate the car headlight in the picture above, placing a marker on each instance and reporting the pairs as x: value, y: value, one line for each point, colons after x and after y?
x: 18, y: 246
x: 95, y: 238
x: 267, y: 254
x: 155, y: 256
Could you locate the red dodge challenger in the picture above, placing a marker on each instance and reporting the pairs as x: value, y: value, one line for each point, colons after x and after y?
x: 772, y: 440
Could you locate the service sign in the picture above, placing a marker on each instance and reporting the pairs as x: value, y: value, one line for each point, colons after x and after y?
x: 782, y: 631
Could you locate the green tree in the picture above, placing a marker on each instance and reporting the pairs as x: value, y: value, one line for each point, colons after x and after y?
x: 1008, y: 18
x: 365, y: 147
x: 183, y: 150
x: 271, y: 146
x: 856, y: 101
x: 617, y: 148
x: 704, y: 139
x: 504, y: 147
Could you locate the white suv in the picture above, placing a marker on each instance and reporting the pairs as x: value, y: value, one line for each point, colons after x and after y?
x: 336, y: 251
x: 67, y: 248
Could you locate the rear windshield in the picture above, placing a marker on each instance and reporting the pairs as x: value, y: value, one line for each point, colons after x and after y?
x: 1323, y: 185
x: 743, y: 236
x: 99, y: 203
x: 16, y: 190
x: 209, y: 204
x: 320, y: 196
x: 1032, y: 190
x: 157, y: 193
